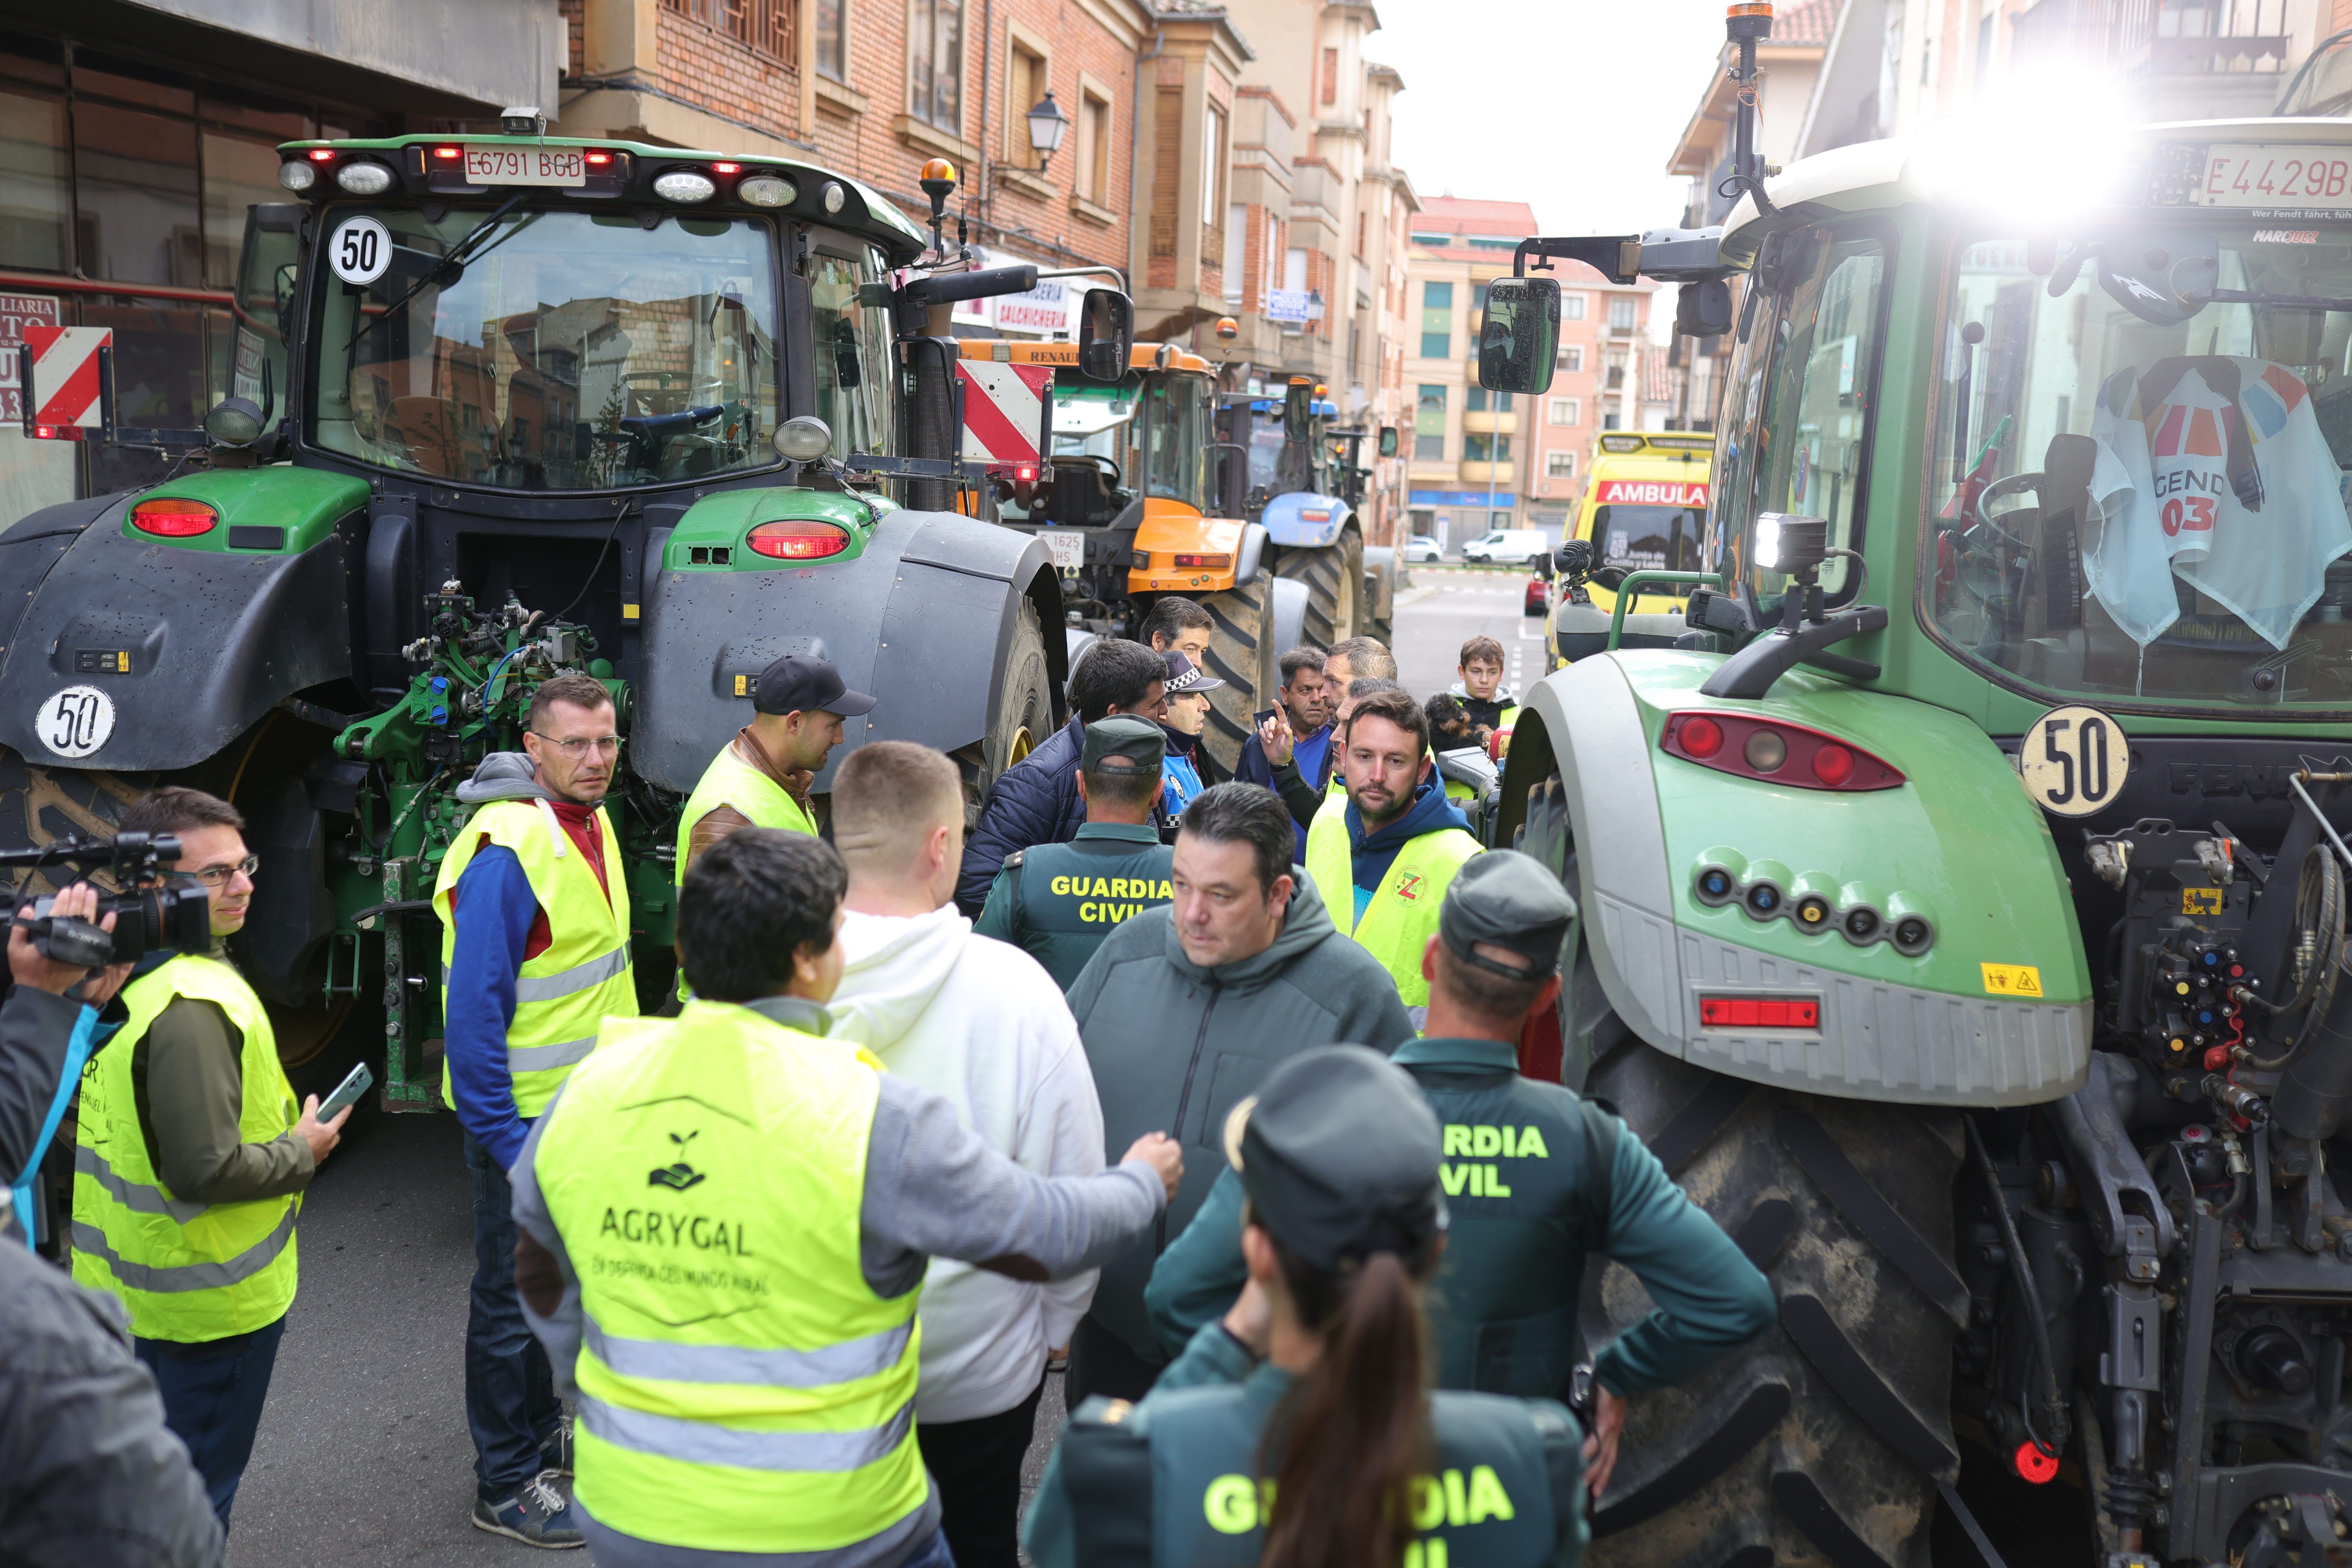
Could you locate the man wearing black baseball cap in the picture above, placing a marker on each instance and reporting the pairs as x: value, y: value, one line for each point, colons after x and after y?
x: 1523, y: 1160
x: 1343, y: 1165
x: 761, y: 778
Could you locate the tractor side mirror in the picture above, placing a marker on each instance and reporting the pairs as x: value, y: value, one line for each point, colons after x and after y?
x: 1387, y: 441
x: 1520, y: 335
x: 1105, y: 334
x: 1703, y: 310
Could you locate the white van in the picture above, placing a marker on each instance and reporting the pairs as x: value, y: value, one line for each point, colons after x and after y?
x: 1515, y: 546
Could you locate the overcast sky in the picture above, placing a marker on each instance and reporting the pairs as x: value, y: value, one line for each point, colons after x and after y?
x: 1570, y: 106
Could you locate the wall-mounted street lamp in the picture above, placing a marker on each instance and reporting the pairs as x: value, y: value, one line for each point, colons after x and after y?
x: 1047, y: 126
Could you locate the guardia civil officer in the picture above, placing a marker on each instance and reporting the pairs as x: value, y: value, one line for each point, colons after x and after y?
x: 1057, y: 901
x: 1299, y: 1430
x: 761, y: 778
x: 1537, y: 1179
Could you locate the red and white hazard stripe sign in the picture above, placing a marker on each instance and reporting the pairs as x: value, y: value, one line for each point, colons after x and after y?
x: 63, y: 366
x: 1004, y: 410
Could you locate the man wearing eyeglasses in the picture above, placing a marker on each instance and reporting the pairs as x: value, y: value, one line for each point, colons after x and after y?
x: 534, y: 907
x: 189, y: 1160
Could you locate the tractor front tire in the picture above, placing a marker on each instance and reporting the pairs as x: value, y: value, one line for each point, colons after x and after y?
x: 1334, y: 576
x: 1820, y: 1444
x: 1241, y: 654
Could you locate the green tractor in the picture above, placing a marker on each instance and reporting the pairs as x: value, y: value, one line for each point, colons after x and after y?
x: 1962, y: 912
x: 507, y: 407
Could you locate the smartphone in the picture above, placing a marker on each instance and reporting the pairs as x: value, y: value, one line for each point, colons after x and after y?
x: 347, y: 1092
x: 1263, y: 715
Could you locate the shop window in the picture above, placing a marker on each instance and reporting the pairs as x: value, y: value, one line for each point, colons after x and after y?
x: 101, y: 75
x: 137, y: 218
x: 36, y: 204
x: 935, y: 62
x: 238, y: 172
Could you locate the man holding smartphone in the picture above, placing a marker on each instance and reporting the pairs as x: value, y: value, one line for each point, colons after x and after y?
x: 192, y: 1159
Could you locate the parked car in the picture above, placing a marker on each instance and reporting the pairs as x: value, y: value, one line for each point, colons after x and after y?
x: 1539, y: 595
x: 1509, y: 547
x: 1422, y: 550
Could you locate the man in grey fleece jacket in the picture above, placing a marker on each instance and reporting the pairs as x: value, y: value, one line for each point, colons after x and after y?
x: 1186, y: 1008
x: 932, y: 1185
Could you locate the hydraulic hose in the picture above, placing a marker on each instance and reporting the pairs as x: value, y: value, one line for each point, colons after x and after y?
x: 2026, y: 1286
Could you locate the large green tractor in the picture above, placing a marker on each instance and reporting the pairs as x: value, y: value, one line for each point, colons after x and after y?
x: 506, y: 406
x: 1962, y: 895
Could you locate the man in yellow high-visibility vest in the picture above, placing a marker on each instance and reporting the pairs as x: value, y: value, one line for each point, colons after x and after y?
x: 1384, y: 854
x: 761, y: 778
x: 191, y: 1159
x: 725, y: 1223
x: 534, y: 906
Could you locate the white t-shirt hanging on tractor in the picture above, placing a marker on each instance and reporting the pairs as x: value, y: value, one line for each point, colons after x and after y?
x: 2212, y: 467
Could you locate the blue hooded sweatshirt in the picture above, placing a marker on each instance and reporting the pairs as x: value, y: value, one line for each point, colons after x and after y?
x: 1430, y: 812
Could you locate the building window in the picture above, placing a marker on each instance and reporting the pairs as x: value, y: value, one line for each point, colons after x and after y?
x: 1213, y: 166
x: 1621, y: 314
x: 1571, y: 358
x: 1437, y: 321
x: 1483, y: 448
x: 1615, y: 378
x: 1429, y: 426
x: 1094, y: 147
x: 1025, y: 82
x: 1361, y: 219
x: 935, y: 62
x: 1330, y: 76
x: 1476, y: 401
x: 1567, y: 411
x: 1560, y: 465
x: 832, y: 39
x: 135, y: 195
x: 39, y: 207
x: 1571, y: 306
x: 1236, y: 250
x: 1609, y: 422
x: 763, y: 25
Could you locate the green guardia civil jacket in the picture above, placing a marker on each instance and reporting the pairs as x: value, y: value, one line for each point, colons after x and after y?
x: 1057, y: 901
x: 1516, y: 1168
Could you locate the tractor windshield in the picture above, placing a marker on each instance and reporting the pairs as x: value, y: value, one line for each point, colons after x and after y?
x: 1176, y: 439
x: 2138, y: 482
x: 557, y: 351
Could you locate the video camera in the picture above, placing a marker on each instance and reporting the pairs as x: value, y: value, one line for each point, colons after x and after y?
x: 148, y: 915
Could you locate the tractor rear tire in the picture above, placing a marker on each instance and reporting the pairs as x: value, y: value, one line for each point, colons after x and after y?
x: 1241, y: 654
x: 1024, y: 717
x: 1822, y: 1442
x: 1334, y: 576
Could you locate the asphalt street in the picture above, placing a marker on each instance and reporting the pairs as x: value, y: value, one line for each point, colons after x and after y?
x: 364, y: 1458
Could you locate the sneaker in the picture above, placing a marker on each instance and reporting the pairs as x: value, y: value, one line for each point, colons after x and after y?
x: 536, y: 1515
x: 555, y: 1453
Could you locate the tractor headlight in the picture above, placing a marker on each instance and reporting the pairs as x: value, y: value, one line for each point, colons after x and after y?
x: 804, y: 438
x: 684, y: 186
x: 768, y: 191
x: 296, y: 175
x: 235, y: 422
x: 364, y: 178
x: 833, y: 196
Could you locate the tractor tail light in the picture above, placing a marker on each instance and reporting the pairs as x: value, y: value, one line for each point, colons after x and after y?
x: 797, y: 540
x: 1759, y: 1012
x: 597, y: 159
x: 1776, y: 752
x: 174, y: 517
x: 1206, y: 563
x: 449, y: 155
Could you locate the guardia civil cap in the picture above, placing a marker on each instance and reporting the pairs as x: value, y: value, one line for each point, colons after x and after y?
x: 1137, y: 740
x: 1509, y: 900
x: 1338, y: 1153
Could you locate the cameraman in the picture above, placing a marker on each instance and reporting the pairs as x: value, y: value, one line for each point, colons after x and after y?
x: 193, y: 1159
x: 90, y: 1478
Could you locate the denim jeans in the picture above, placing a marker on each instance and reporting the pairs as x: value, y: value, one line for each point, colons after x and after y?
x: 213, y: 1394
x: 511, y: 1402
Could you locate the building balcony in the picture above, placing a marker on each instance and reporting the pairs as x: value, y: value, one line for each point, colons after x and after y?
x: 1496, y: 474
x: 1491, y: 423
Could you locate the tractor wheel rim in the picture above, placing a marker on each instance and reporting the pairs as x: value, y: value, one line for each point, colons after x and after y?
x: 1021, y: 742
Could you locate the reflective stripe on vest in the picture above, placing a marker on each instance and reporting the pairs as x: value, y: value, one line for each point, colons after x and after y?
x: 187, y: 1271
x: 741, y: 1387
x: 563, y: 995
x: 1402, y: 914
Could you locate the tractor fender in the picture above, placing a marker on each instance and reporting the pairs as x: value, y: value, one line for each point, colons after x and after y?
x: 922, y: 620
x: 1300, y: 521
x: 32, y: 546
x: 1380, y: 582
x: 214, y: 639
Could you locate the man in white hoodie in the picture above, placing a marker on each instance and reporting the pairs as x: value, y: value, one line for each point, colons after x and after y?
x: 981, y: 1023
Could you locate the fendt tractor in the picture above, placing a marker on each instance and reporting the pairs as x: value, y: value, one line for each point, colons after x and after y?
x: 1962, y: 911
x: 1137, y: 496
x: 511, y: 405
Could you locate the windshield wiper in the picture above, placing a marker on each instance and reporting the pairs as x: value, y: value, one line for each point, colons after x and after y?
x: 449, y: 268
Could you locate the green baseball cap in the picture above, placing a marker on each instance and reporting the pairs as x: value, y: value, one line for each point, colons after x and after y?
x: 1508, y: 899
x: 1338, y: 1153
x: 1137, y: 744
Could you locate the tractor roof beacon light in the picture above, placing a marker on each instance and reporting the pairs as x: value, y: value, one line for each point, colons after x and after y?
x: 938, y: 182
x: 1047, y: 126
x: 523, y: 120
x: 1746, y: 24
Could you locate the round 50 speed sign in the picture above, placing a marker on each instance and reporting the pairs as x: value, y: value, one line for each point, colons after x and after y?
x: 2073, y: 761
x: 360, y: 250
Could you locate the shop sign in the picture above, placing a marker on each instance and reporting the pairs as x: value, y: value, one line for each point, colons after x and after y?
x: 19, y: 312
